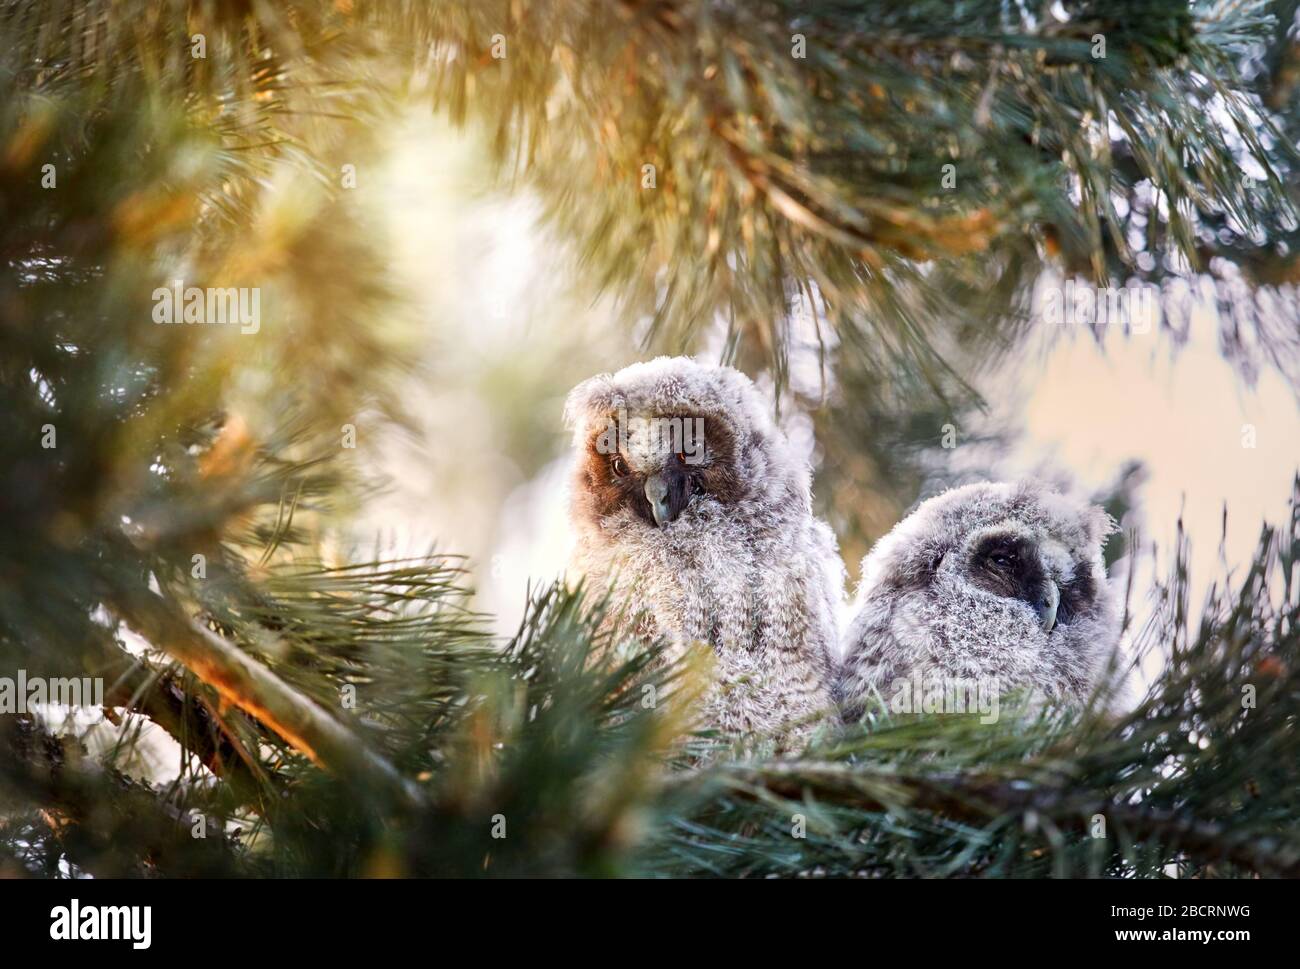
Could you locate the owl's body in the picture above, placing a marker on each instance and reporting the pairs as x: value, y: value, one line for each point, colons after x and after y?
x: 709, y: 540
x: 1002, y: 584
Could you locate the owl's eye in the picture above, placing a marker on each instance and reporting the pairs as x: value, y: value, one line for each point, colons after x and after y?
x: 619, y: 466
x: 1003, y: 559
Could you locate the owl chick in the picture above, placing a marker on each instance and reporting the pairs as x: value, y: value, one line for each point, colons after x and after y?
x: 999, y: 584
x: 689, y: 502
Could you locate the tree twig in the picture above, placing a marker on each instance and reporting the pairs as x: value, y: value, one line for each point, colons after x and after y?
x: 243, y: 682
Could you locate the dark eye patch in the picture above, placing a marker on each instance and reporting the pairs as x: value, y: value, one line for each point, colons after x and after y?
x: 1001, y: 553
x: 1007, y: 566
x: 715, y: 476
x: 1003, y: 557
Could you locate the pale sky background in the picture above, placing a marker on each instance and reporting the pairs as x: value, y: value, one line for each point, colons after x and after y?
x: 494, y: 295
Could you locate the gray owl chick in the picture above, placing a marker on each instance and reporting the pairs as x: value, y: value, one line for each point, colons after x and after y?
x: 689, y: 501
x: 996, y: 583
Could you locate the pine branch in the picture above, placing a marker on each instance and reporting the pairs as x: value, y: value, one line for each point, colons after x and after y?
x: 111, y: 825
x: 973, y: 799
x: 191, y: 721
x: 246, y: 684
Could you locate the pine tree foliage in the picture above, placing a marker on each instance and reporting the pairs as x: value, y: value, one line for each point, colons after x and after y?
x: 890, y: 167
x: 341, y: 714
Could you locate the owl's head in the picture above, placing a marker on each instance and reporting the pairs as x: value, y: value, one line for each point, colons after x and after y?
x: 662, y: 444
x: 1001, y: 581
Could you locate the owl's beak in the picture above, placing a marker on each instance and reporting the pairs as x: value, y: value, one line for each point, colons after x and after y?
x: 658, y: 494
x: 1048, y: 601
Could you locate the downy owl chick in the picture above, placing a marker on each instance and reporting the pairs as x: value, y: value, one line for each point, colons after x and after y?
x: 995, y: 583
x: 690, y: 502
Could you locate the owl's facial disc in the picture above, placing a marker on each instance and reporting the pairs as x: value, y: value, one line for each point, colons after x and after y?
x: 657, y: 487
x: 1010, y: 565
x: 656, y: 465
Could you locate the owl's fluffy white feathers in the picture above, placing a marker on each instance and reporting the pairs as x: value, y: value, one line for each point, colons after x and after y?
x: 744, y: 568
x: 926, y: 607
